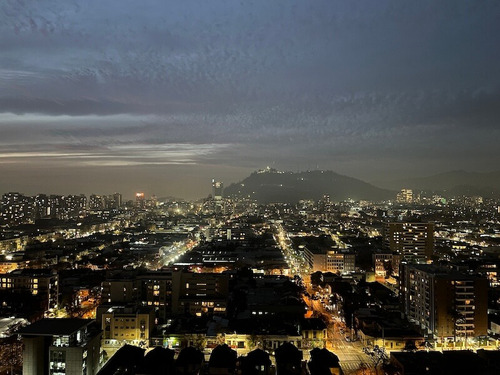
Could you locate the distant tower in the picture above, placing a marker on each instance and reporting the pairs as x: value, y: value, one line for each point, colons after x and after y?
x: 117, y: 200
x: 405, y: 196
x: 42, y: 206
x: 217, y: 195
x: 139, y: 200
x: 217, y: 190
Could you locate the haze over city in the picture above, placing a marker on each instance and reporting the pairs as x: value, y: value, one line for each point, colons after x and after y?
x: 162, y: 96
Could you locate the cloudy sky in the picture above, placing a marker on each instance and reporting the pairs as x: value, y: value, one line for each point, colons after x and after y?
x: 161, y: 96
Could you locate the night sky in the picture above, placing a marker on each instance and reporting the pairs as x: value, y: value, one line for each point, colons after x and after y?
x: 162, y: 96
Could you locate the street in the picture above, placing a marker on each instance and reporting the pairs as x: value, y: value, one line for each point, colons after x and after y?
x: 350, y: 353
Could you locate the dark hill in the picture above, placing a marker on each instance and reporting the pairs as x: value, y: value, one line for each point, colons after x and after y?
x: 274, y: 186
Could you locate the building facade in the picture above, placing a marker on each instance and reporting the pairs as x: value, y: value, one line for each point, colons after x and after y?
x: 405, y: 196
x: 126, y: 325
x: 61, y: 347
x: 413, y: 241
x: 44, y: 284
x: 385, y: 263
x: 330, y: 261
x: 444, y: 303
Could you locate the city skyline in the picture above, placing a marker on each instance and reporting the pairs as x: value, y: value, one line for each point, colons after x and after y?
x: 162, y: 98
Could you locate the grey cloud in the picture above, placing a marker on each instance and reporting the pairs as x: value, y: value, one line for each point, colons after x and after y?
x: 293, y: 82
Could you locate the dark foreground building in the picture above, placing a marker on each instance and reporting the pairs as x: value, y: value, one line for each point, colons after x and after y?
x: 61, y: 346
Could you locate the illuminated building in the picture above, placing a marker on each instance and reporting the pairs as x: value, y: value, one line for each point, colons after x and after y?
x: 140, y: 202
x: 217, y: 196
x: 100, y: 202
x: 56, y: 204
x: 61, y: 347
x: 118, y: 291
x: 199, y: 293
x: 156, y: 291
x: 96, y: 202
x: 128, y: 324
x: 169, y: 292
x: 42, y: 206
x: 405, y: 196
x: 329, y: 260
x: 217, y: 190
x: 386, y: 262
x: 40, y: 283
x: 117, y: 201
x: 149, y: 289
x: 325, y: 204
x: 66, y: 207
x: 74, y: 205
x: 16, y: 208
x: 413, y: 241
x: 444, y: 303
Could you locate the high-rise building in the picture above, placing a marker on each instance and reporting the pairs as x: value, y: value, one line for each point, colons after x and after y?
x: 112, y: 201
x: 57, y: 206
x: 325, y: 204
x: 17, y: 208
x: 445, y: 304
x: 149, y: 289
x: 42, y: 206
x: 74, y: 205
x: 96, y: 202
x: 117, y: 200
x: 217, y: 190
x: 405, y: 196
x: 413, y: 241
x: 61, y: 346
x: 156, y: 290
x: 140, y: 201
x: 217, y: 196
x: 39, y: 282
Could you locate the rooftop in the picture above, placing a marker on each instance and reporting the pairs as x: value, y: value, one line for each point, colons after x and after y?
x: 55, y: 327
x: 442, y: 272
x: 32, y: 272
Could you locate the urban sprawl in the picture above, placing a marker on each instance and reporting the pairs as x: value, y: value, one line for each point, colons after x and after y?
x: 226, y: 285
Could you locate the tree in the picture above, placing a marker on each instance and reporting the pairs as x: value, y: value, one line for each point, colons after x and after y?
x: 410, y: 346
x: 378, y: 356
x: 221, y: 339
x: 316, y: 278
x: 255, y: 341
x: 199, y: 341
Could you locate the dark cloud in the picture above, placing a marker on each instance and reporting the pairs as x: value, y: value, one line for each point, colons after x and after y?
x: 358, y: 86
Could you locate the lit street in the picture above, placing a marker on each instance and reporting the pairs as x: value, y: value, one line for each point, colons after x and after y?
x: 351, y: 355
x: 169, y: 254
